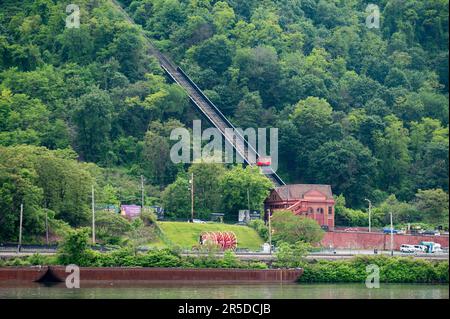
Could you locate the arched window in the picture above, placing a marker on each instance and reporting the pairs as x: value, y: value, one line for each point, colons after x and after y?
x: 320, y: 210
x: 310, y: 211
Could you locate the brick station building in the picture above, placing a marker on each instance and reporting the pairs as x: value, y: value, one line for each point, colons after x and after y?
x: 310, y: 200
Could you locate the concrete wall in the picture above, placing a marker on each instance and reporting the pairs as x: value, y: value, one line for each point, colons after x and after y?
x: 366, y: 240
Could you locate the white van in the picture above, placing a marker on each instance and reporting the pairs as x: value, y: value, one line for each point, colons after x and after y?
x: 416, y: 249
x: 420, y: 248
x: 407, y: 248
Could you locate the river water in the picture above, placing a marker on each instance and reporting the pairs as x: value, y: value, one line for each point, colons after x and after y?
x: 226, y: 291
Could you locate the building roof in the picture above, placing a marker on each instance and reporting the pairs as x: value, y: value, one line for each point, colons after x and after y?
x: 297, y: 191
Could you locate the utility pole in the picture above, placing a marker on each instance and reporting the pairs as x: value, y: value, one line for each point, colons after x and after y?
x: 270, y: 234
x: 248, y: 200
x: 370, y: 213
x: 392, y: 235
x: 142, y: 192
x: 46, y: 226
x: 192, y: 197
x: 93, y: 216
x: 19, y: 247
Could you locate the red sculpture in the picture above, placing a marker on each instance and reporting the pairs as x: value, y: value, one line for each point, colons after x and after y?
x: 223, y: 239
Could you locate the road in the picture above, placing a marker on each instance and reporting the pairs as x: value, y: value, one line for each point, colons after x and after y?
x: 324, y: 255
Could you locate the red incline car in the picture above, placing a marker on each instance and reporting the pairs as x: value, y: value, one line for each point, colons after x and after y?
x: 263, y: 161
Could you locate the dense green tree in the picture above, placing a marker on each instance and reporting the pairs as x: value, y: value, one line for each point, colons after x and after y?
x: 392, y: 152
x: 345, y: 216
x: 46, y: 182
x: 66, y: 188
x: 156, y: 162
x: 311, y: 122
x: 176, y: 199
x: 223, y: 16
x: 215, y: 53
x: 240, y: 184
x: 76, y: 44
x: 246, y: 110
x: 402, y: 212
x: 156, y: 154
x: 206, y: 186
x: 290, y: 228
x: 92, y: 116
x: 348, y: 166
x: 128, y: 49
x: 433, y: 203
x: 259, y: 69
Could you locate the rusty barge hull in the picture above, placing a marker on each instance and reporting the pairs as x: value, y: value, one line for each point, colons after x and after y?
x: 111, y: 274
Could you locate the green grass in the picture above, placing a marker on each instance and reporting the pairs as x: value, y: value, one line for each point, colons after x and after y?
x: 186, y: 235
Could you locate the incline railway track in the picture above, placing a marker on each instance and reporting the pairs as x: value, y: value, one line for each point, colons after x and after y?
x: 243, y: 148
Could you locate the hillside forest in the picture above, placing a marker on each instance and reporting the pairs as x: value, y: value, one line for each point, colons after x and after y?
x: 362, y: 109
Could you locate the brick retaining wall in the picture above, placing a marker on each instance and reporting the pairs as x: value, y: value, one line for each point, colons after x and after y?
x: 381, y: 241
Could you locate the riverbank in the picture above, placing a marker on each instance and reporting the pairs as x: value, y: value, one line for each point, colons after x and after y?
x: 391, y: 270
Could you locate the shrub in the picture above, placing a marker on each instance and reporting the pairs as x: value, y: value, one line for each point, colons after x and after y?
x: 74, y: 248
x: 17, y: 261
x: 111, y: 227
x: 291, y: 228
x: 261, y: 228
x: 159, y: 258
x: 229, y: 260
x: 149, y: 218
x: 291, y: 255
x: 257, y: 265
x: 392, y: 270
x: 38, y: 259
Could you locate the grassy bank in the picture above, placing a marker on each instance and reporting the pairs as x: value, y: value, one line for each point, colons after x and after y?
x: 186, y: 235
x: 392, y: 270
x: 126, y: 257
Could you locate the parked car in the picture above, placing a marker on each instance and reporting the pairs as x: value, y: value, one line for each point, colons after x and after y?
x: 432, y: 233
x: 350, y: 229
x: 407, y: 248
x: 388, y: 231
x: 415, y: 249
x: 198, y: 221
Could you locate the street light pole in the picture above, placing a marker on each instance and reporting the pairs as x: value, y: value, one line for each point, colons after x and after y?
x: 270, y: 234
x: 370, y: 213
x: 392, y: 235
x: 142, y: 192
x: 46, y: 226
x: 19, y: 247
x: 93, y: 216
x: 192, y: 197
x: 248, y: 204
